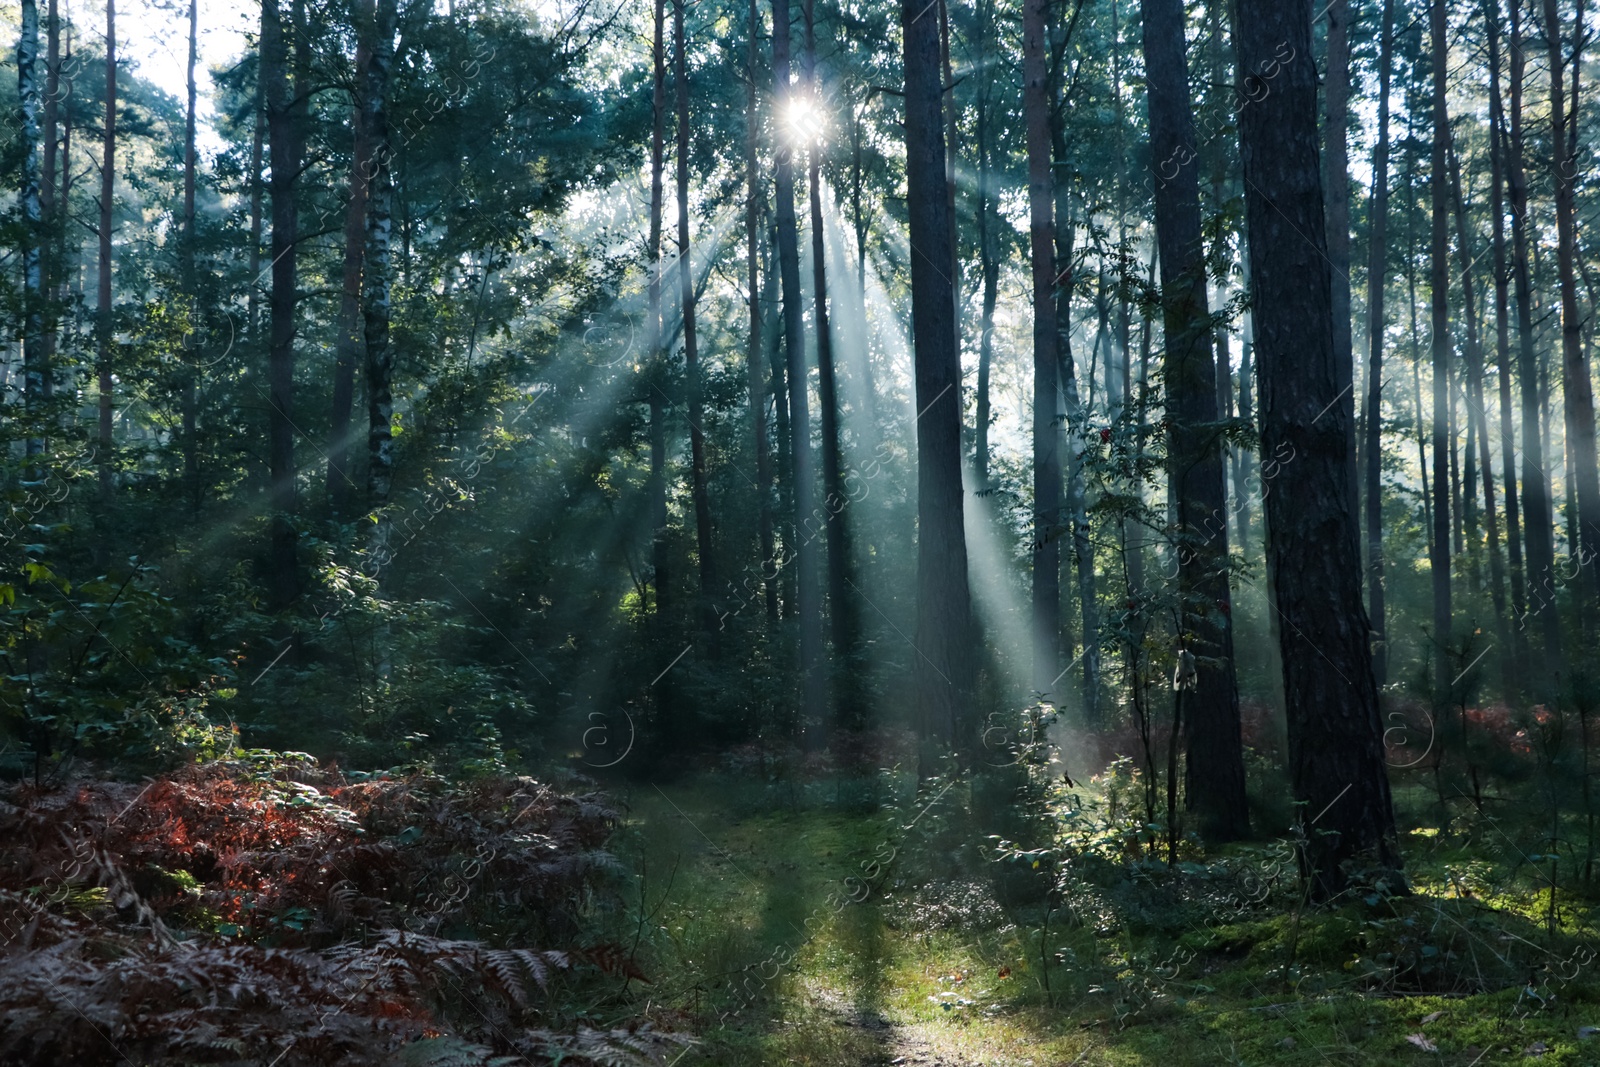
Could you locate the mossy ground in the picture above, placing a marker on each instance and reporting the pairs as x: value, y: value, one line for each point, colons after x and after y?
x: 766, y: 930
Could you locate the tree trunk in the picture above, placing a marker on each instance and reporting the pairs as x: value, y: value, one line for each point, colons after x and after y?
x: 35, y: 366
x: 1518, y: 657
x: 1438, y: 283
x: 989, y: 259
x: 807, y: 599
x: 656, y: 329
x: 1377, y: 274
x: 257, y: 142
x: 842, y: 613
x: 1047, y: 517
x: 191, y: 453
x: 1577, y: 390
x: 1335, y: 735
x: 46, y: 249
x: 375, y: 278
x: 944, y: 613
x: 706, y: 550
x: 1540, y: 540
x: 758, y: 398
x: 1214, y: 766
x: 103, y: 323
x: 349, y: 344
x: 1478, y: 426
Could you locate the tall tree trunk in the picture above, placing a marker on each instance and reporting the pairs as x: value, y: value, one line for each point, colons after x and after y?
x: 103, y: 323
x: 1076, y: 412
x: 375, y: 275
x: 1540, y: 540
x: 658, y: 373
x: 1247, y: 416
x: 1438, y: 283
x: 807, y: 591
x: 1478, y: 425
x: 1313, y: 555
x: 758, y: 397
x: 35, y: 366
x: 46, y: 241
x: 1377, y: 274
x: 349, y: 347
x: 842, y: 614
x: 191, y: 373
x: 1577, y: 390
x: 947, y: 88
x: 944, y: 609
x: 1498, y: 148
x: 691, y: 351
x: 285, y: 141
x: 1214, y: 765
x: 258, y: 139
x: 988, y: 255
x: 1047, y: 516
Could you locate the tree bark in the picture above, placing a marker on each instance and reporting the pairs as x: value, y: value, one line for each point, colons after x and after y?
x: 758, y: 398
x: 103, y: 311
x: 349, y: 347
x: 1337, y: 183
x: 706, y: 549
x: 658, y: 372
x: 1439, y: 275
x: 1377, y: 274
x: 1047, y: 516
x: 807, y: 591
x: 1540, y: 540
x: 1498, y: 149
x: 191, y: 373
x: 1577, y: 390
x: 376, y: 270
x: 944, y: 613
x: 35, y: 366
x: 1214, y: 762
x: 1335, y: 734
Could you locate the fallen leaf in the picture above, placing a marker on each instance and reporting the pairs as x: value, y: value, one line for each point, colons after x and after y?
x: 1422, y: 1042
x: 1586, y: 1032
x: 1538, y: 1048
x: 1287, y: 1042
x: 1430, y: 1017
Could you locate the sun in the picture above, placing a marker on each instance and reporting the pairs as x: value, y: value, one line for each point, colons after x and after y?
x: 806, y: 120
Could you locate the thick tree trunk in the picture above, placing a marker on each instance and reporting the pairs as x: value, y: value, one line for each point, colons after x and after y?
x: 1214, y: 766
x: 655, y: 327
x: 944, y: 613
x: 1337, y: 184
x: 375, y: 278
x: 1047, y: 516
x: 1438, y: 283
x: 258, y: 140
x: 103, y: 322
x: 1498, y: 148
x: 807, y: 590
x: 989, y: 259
x: 1335, y: 734
x: 757, y: 341
x: 1540, y: 539
x: 1377, y: 274
x: 35, y: 366
x: 1577, y: 390
x: 349, y: 347
x: 705, y: 546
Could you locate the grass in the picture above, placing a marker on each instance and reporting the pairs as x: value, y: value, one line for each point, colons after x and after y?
x: 767, y: 930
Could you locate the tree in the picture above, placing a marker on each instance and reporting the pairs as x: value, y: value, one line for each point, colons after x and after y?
x: 350, y: 348
x: 1334, y: 732
x: 1577, y: 391
x: 944, y: 611
x: 1443, y: 446
x: 103, y: 309
x: 691, y: 351
x: 807, y: 604
x: 1377, y: 274
x: 1214, y: 767
x: 375, y: 282
x: 655, y: 329
x: 1047, y: 522
x: 34, y: 363
x: 757, y: 339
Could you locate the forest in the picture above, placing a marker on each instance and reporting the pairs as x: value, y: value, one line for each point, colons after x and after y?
x: 978, y: 533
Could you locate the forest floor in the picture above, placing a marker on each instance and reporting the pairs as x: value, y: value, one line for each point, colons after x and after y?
x: 776, y: 940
